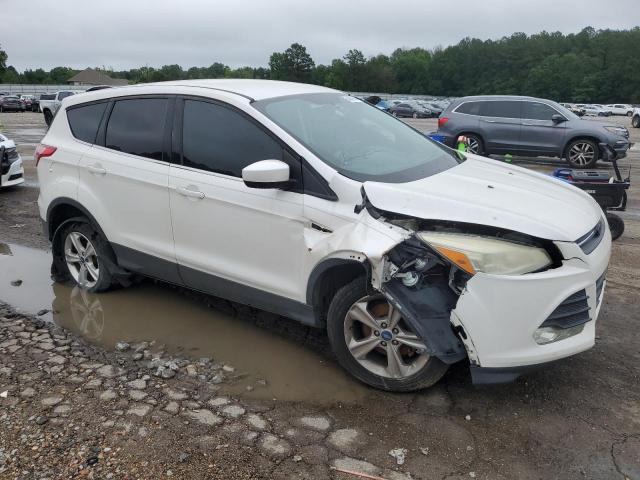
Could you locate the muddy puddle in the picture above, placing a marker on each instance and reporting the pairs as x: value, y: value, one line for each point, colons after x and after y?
x: 184, y: 325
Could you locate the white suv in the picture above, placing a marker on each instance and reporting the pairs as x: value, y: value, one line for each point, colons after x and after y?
x: 307, y: 202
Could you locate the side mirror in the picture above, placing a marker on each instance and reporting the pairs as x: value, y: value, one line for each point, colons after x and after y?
x: 266, y: 174
x: 557, y: 118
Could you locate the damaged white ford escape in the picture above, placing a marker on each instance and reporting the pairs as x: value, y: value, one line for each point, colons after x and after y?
x: 307, y: 202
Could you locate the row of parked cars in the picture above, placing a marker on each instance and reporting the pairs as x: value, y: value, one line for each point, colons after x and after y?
x: 18, y: 103
x: 598, y: 110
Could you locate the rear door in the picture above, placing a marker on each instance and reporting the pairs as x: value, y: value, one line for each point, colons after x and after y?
x: 124, y: 183
x: 240, y: 243
x: 499, y: 124
x: 540, y: 135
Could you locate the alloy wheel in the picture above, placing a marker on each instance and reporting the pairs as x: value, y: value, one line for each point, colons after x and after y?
x: 82, y: 260
x: 381, y: 341
x: 582, y: 153
x: 473, y: 145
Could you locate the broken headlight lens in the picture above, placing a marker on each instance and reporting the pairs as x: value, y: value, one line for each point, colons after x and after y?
x: 473, y: 253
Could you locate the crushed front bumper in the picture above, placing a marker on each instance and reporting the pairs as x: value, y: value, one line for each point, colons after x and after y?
x: 499, y: 314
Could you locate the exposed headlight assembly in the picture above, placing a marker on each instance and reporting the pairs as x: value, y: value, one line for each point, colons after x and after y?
x: 623, y: 132
x: 473, y: 253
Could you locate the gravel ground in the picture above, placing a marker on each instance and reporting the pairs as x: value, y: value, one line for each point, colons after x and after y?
x: 71, y: 408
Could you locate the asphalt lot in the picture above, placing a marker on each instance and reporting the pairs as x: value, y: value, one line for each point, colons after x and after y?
x: 577, y: 419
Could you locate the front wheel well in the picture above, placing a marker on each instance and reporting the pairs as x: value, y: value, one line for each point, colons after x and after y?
x: 327, y: 278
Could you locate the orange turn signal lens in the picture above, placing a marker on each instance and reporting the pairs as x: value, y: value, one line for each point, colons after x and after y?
x: 458, y: 258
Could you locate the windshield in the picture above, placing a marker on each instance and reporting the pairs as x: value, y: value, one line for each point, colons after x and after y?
x: 358, y: 140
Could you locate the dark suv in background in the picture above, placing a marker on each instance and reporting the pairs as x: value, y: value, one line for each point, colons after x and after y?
x: 530, y: 127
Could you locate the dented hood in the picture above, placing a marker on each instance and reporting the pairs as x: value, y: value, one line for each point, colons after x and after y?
x: 487, y: 192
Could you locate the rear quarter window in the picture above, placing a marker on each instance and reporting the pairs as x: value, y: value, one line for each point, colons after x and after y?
x: 469, y: 108
x: 85, y: 120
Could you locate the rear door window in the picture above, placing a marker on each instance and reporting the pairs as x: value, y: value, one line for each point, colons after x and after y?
x: 85, y: 120
x: 537, y: 111
x: 501, y: 109
x: 136, y: 126
x: 218, y: 139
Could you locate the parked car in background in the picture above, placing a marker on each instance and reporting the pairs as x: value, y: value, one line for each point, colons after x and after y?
x: 406, y: 109
x: 411, y: 255
x: 635, y: 118
x: 572, y: 107
x: 594, y: 110
x: 11, y: 103
x: 49, y: 107
x: 607, y: 111
x: 31, y: 103
x: 434, y: 109
x: 528, y: 126
x: 11, y: 170
x: 621, y: 109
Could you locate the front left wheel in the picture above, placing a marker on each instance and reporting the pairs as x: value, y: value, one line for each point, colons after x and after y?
x: 374, y: 343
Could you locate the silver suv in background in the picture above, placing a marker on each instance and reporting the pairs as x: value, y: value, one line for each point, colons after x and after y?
x: 530, y: 127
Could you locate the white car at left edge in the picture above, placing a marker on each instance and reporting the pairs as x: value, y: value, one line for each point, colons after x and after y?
x: 11, y: 170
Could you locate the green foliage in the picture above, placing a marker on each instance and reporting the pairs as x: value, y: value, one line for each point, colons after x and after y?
x: 590, y: 66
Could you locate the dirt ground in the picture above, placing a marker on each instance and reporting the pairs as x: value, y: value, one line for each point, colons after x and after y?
x: 155, y: 382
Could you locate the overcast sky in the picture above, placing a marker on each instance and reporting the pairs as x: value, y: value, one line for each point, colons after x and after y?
x: 129, y: 33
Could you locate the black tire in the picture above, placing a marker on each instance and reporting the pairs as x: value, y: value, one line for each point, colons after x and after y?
x: 427, y: 376
x: 106, y: 257
x: 588, y: 164
x: 616, y: 225
x: 48, y: 117
x: 629, y: 114
x: 635, y: 121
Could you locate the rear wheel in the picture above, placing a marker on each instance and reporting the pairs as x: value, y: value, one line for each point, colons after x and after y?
x: 87, y: 257
x: 616, y: 225
x: 48, y: 117
x: 582, y: 153
x: 629, y: 114
x: 474, y: 144
x: 415, y: 115
x: 374, y: 343
x: 635, y: 122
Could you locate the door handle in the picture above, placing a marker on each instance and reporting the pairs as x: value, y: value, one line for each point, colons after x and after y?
x: 191, y: 193
x: 96, y: 169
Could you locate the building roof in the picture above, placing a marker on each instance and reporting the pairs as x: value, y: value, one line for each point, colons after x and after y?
x: 90, y: 76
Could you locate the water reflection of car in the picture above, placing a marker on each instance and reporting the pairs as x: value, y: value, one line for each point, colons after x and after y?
x: 11, y: 169
x: 412, y: 256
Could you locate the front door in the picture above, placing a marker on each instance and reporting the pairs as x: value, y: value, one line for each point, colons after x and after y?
x: 540, y: 134
x: 240, y: 243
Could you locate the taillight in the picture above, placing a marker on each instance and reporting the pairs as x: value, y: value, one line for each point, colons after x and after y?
x: 442, y: 121
x: 43, y: 151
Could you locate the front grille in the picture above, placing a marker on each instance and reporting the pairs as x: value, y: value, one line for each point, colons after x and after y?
x: 15, y: 176
x: 600, y: 286
x: 573, y: 311
x: 590, y: 241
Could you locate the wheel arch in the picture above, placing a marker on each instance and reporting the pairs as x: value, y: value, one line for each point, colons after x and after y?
x: 62, y: 209
x: 327, y: 277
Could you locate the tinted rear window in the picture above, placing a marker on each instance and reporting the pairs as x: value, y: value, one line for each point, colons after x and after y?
x: 501, y: 109
x: 136, y: 126
x: 470, y: 108
x: 84, y: 121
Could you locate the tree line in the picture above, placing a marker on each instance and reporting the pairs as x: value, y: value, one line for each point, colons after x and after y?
x: 590, y: 66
